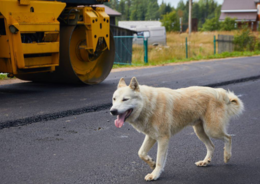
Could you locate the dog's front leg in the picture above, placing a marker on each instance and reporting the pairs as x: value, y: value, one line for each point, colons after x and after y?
x: 160, y: 160
x: 143, y: 151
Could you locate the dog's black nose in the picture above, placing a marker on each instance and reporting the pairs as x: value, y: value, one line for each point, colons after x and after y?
x: 114, y: 112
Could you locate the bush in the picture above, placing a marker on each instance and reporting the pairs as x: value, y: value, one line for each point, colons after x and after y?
x: 213, y: 24
x: 228, y: 24
x: 257, y: 44
x: 210, y: 25
x: 244, y: 41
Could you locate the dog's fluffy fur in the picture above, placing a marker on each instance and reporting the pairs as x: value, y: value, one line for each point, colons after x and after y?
x: 160, y: 113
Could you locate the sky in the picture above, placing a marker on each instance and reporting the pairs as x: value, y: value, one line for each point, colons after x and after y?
x: 175, y: 2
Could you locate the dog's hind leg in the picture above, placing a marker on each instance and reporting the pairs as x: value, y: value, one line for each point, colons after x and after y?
x: 162, y: 150
x: 143, y: 151
x: 227, y: 147
x: 199, y: 130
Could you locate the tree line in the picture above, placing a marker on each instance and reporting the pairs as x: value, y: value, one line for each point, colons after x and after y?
x: 167, y: 14
x: 140, y: 9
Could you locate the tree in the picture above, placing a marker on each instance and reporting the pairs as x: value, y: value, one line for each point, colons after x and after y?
x: 195, y: 10
x: 127, y: 9
x: 169, y: 8
x: 171, y: 21
x: 133, y: 10
x: 181, y: 5
x: 114, y: 4
x: 133, y: 15
x: 162, y: 9
x: 141, y: 9
x: 121, y: 9
x: 152, y: 10
x: 211, y: 25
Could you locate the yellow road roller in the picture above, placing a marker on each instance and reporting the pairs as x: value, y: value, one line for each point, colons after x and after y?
x: 67, y: 41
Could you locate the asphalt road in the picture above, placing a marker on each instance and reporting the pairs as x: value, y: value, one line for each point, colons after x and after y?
x: 33, y: 102
x: 88, y: 148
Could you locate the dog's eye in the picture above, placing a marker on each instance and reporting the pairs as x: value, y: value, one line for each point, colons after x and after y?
x: 125, y: 99
x: 114, y: 99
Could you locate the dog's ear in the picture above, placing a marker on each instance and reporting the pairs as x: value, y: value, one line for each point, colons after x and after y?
x: 121, y: 83
x: 134, y: 84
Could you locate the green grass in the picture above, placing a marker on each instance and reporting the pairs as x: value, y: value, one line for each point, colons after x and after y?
x: 196, y: 58
x: 3, y: 76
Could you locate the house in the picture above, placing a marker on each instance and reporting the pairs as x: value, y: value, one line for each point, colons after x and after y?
x: 245, y: 11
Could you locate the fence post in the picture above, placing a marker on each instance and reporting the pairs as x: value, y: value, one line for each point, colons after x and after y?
x: 214, y: 45
x: 186, y: 44
x: 145, y: 50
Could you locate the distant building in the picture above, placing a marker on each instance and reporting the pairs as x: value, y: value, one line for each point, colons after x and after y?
x: 153, y: 30
x: 245, y: 11
x: 139, y: 24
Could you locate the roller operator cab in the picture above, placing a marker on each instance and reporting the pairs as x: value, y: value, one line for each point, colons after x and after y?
x: 66, y: 41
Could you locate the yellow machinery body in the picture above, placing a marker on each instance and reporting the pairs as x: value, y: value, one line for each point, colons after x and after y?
x: 54, y: 41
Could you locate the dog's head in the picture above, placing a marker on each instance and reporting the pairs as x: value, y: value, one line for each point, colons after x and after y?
x: 126, y: 101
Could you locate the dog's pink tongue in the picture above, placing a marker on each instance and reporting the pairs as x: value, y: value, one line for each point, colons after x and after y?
x: 120, y: 120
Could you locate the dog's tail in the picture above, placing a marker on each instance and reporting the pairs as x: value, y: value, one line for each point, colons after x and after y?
x: 235, y: 105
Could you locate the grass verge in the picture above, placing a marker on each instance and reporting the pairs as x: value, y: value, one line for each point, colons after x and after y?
x: 194, y: 58
x: 200, y: 47
x: 3, y: 76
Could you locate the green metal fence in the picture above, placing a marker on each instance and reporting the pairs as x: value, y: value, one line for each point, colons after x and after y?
x: 124, y: 49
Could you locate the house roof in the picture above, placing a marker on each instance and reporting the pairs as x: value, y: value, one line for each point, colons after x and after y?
x: 245, y: 16
x: 109, y: 11
x: 238, y: 5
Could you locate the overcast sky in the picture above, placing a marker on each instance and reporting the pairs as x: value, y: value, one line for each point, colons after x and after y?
x: 175, y: 2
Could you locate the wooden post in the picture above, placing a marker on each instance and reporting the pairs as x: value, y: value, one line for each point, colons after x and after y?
x: 180, y: 25
x: 190, y: 19
x: 186, y: 46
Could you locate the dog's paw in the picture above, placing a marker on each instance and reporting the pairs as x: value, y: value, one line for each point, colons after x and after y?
x: 152, y: 164
x: 227, y: 156
x: 150, y: 177
x: 202, y: 163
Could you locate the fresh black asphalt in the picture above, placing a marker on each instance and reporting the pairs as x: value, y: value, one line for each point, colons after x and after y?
x: 87, y: 148
x: 26, y: 103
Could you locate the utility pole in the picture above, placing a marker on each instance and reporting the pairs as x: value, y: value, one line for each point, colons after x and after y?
x: 190, y: 22
x: 180, y: 25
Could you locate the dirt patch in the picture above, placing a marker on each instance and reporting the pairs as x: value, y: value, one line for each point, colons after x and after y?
x: 11, y: 81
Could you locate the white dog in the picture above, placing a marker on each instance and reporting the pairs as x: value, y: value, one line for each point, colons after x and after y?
x: 160, y: 113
